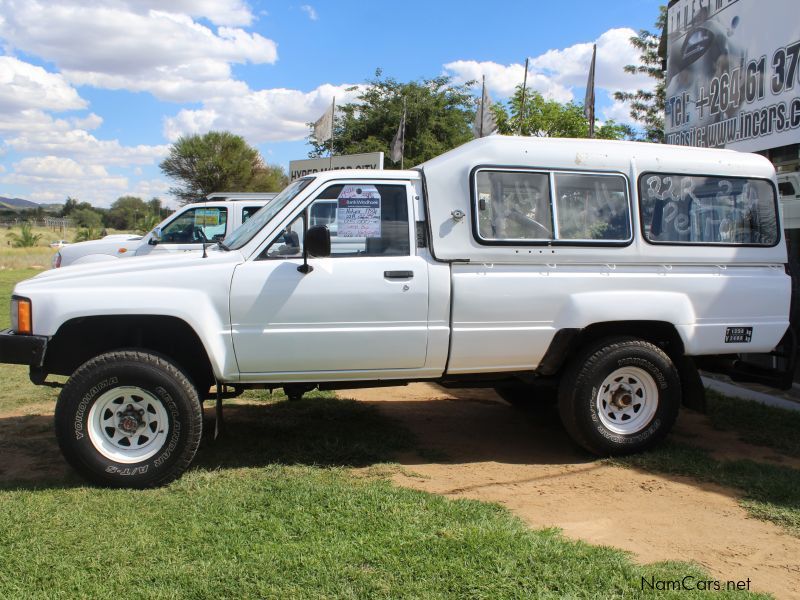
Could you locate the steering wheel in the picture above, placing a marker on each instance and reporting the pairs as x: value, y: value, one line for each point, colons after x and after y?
x: 525, y: 220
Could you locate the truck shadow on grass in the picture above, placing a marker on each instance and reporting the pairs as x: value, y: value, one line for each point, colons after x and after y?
x: 324, y: 432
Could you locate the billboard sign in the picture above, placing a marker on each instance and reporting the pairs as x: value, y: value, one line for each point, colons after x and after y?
x: 733, y: 74
x: 368, y: 160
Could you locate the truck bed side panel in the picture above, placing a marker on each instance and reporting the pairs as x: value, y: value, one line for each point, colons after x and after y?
x: 505, y: 316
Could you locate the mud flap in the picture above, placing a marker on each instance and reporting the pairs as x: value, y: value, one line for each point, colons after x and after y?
x: 693, y: 392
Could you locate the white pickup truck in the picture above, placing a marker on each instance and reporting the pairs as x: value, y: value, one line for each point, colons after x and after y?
x: 609, y: 268
x: 188, y: 228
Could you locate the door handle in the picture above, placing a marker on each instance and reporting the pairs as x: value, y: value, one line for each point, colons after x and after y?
x: 398, y: 274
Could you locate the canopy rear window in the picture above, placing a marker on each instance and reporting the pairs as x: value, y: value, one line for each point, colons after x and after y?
x: 697, y: 209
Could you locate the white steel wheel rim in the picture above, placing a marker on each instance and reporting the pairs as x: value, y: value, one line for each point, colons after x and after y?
x: 627, y: 400
x: 128, y: 424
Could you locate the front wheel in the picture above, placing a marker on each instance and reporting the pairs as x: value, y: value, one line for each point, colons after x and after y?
x: 620, y: 396
x: 129, y: 419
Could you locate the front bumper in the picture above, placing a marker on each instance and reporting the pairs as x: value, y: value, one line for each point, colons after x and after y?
x: 22, y: 349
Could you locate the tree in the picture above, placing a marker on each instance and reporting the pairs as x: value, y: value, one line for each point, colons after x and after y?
x: 72, y: 204
x: 86, y: 217
x: 549, y: 118
x: 25, y: 238
x: 213, y: 162
x: 147, y: 223
x: 269, y: 178
x: 126, y: 212
x: 86, y: 234
x: 647, y: 106
x: 439, y: 115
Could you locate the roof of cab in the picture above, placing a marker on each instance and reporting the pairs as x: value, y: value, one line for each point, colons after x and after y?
x: 588, y: 154
x: 336, y: 174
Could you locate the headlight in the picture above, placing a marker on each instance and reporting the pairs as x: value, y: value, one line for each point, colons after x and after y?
x: 21, y: 321
x: 56, y: 260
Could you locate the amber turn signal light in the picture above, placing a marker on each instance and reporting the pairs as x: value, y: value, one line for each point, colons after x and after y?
x: 21, y: 320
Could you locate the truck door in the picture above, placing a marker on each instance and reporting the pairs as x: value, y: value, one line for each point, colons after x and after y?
x: 189, y: 230
x: 364, y: 308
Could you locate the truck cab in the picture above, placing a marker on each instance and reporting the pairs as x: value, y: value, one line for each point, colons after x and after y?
x: 186, y: 229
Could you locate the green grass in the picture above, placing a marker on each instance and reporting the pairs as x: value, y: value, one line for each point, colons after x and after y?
x: 17, y: 388
x: 295, y: 532
x: 755, y: 423
x: 8, y: 279
x: 769, y: 492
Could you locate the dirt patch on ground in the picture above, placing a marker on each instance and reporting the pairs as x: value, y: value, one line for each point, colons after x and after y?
x: 28, y: 447
x: 474, y: 445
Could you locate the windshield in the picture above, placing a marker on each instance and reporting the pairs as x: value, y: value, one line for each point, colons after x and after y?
x: 245, y: 233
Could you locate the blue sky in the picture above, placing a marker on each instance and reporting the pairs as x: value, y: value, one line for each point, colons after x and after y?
x: 94, y: 91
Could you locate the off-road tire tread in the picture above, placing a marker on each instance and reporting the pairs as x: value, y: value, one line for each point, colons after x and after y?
x: 146, y: 359
x: 581, y: 367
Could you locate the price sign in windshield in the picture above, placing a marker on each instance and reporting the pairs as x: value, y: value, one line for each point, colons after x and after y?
x: 358, y: 212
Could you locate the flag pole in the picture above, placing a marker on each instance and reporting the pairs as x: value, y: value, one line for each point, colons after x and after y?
x: 522, y: 107
x: 483, y: 91
x: 588, y: 102
x: 403, y: 138
x: 333, y: 130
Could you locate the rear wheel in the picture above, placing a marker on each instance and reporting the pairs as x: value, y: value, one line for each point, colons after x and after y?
x: 620, y: 396
x: 129, y: 419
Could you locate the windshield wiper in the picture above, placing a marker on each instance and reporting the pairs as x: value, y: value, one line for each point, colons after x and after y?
x: 223, y: 246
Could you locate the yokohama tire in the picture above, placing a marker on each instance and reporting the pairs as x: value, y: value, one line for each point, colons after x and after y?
x: 619, y: 397
x: 129, y: 419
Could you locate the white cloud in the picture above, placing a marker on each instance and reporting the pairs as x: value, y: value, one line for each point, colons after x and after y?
x: 261, y: 116
x: 26, y: 86
x: 310, y: 11
x: 151, y: 188
x: 52, y: 178
x: 570, y: 66
x: 91, y: 121
x: 619, y: 112
x: 131, y: 45
x: 557, y: 72
x: 219, y: 12
x: 38, y: 133
x: 501, y: 80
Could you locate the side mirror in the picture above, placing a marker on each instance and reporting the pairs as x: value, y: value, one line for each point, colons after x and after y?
x: 155, y: 236
x: 318, y: 242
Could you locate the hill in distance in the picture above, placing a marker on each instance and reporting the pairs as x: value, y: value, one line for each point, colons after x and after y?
x: 18, y: 203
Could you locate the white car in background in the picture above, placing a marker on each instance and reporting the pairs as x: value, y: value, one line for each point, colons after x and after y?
x: 186, y: 229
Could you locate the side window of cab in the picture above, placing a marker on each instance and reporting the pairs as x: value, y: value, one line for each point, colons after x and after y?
x: 196, y: 226
x: 364, y: 219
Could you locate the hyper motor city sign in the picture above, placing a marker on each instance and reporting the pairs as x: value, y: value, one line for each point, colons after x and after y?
x: 733, y: 74
x: 367, y: 160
